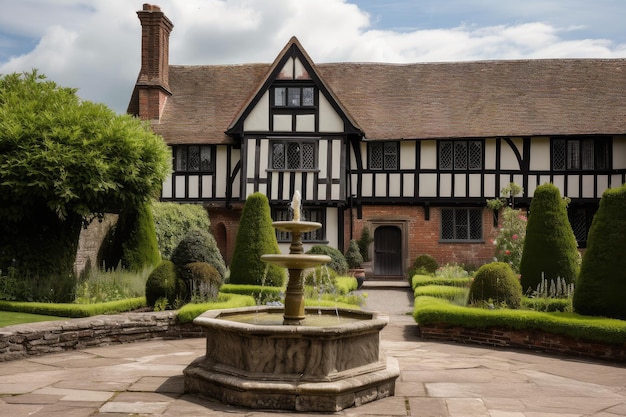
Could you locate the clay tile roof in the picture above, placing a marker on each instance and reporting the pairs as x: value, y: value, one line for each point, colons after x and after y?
x: 420, y: 101
x: 205, y: 100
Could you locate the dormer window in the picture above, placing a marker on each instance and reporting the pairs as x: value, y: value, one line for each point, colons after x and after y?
x: 294, y: 96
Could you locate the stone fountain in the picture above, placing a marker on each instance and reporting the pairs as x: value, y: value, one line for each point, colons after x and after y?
x: 281, y: 358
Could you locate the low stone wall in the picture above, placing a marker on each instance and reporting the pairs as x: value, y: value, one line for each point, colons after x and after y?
x: 524, y: 339
x: 21, y: 341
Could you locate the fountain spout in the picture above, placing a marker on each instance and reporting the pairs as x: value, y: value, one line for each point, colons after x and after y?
x: 295, y: 205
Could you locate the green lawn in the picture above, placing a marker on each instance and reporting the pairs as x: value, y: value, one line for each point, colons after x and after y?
x: 9, y: 318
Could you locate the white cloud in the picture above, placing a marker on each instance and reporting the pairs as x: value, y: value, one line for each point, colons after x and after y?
x: 95, y: 45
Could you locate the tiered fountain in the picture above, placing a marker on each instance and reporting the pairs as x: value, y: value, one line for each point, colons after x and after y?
x: 292, y: 363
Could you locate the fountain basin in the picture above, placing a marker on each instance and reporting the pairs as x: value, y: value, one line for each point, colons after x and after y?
x: 303, y: 368
x: 296, y: 261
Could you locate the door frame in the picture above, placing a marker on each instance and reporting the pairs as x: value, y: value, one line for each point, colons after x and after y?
x: 403, y: 225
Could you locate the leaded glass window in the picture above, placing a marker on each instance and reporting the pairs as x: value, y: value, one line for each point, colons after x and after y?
x: 294, y: 96
x: 293, y: 155
x: 461, y: 224
x: 461, y: 154
x: 383, y: 155
x: 193, y: 158
x: 581, y: 153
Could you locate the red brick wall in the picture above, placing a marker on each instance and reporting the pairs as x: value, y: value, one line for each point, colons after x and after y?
x: 224, y: 226
x: 524, y: 339
x: 423, y: 235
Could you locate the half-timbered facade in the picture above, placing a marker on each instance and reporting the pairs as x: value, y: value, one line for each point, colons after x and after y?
x: 410, y: 151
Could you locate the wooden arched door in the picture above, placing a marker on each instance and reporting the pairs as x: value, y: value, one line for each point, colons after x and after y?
x: 388, y: 251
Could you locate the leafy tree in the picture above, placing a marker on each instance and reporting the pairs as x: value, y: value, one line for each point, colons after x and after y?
x: 601, y: 285
x: 63, y: 162
x: 550, y: 249
x: 255, y: 237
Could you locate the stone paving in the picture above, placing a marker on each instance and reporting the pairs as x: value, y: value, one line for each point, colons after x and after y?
x: 437, y: 379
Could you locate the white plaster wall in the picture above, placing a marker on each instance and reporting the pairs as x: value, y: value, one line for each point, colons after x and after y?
x: 305, y: 123
x: 490, y: 153
x: 258, y: 119
x: 428, y: 155
x: 619, y: 152
x: 282, y: 122
x: 329, y: 119
x: 539, y: 153
x: 407, y: 155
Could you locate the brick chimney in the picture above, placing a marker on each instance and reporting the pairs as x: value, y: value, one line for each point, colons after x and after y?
x: 152, y: 88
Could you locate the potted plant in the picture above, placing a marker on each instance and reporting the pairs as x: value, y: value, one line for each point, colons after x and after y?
x: 354, y: 259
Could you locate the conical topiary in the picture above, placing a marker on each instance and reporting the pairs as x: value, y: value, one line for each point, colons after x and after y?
x: 601, y: 285
x: 550, y: 248
x: 256, y: 237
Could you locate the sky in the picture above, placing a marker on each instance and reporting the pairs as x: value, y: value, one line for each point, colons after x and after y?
x: 94, y: 45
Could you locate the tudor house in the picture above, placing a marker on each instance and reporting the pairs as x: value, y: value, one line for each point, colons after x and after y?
x: 409, y: 151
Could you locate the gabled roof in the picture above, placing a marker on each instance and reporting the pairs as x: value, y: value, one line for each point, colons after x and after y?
x: 416, y: 101
x: 293, y: 49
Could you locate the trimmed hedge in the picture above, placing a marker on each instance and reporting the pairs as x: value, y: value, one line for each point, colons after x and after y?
x: 74, y: 310
x: 441, y: 291
x: 421, y: 280
x: 431, y: 310
x: 190, y: 311
x: 268, y: 294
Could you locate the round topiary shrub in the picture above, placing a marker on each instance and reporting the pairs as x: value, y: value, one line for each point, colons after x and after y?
x: 496, y: 284
x: 256, y: 237
x: 337, y: 262
x: 163, y: 283
x: 550, y: 248
x: 199, y: 246
x: 423, y: 265
x: 203, y: 281
x: 601, y: 285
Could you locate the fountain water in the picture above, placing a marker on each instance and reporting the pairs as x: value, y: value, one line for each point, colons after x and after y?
x: 294, y: 366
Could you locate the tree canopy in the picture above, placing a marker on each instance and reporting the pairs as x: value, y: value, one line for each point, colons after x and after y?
x: 64, y: 161
x: 73, y: 156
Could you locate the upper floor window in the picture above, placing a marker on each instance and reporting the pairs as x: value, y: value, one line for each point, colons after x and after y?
x: 193, y: 158
x: 461, y: 224
x: 460, y: 154
x: 383, y: 155
x: 293, y: 155
x: 294, y: 96
x: 308, y: 214
x: 577, y: 153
